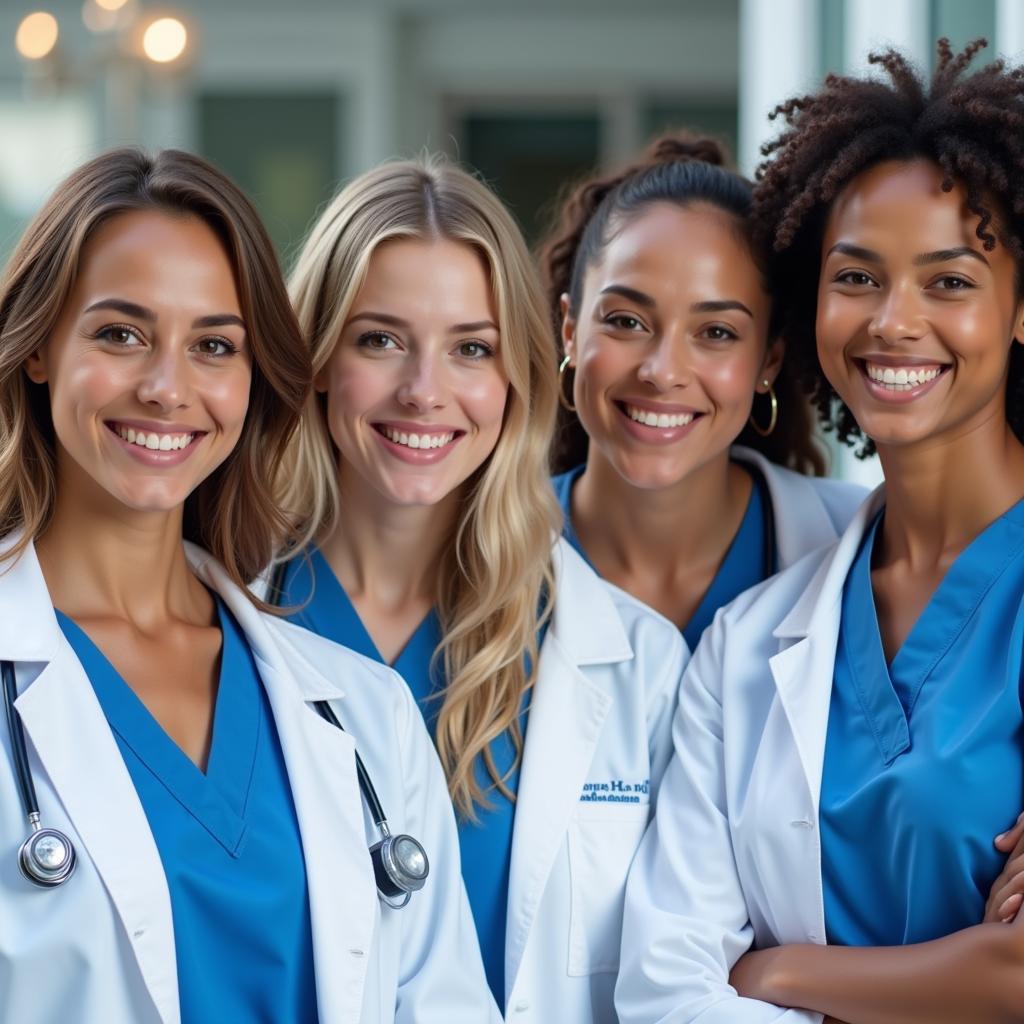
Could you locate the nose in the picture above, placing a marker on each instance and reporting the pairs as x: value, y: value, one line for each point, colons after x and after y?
x: 665, y: 364
x: 424, y: 385
x: 165, y: 379
x: 897, y: 317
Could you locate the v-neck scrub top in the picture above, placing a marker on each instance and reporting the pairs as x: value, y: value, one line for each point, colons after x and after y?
x: 485, y: 845
x: 742, y: 568
x: 924, y: 757
x: 228, y: 840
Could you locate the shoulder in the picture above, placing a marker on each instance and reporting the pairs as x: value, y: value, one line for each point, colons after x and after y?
x: 839, y: 498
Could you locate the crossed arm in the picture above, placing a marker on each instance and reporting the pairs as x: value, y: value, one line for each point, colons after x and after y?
x: 976, y: 974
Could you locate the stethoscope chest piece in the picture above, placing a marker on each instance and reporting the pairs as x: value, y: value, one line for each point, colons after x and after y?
x: 47, y: 858
x: 400, y: 867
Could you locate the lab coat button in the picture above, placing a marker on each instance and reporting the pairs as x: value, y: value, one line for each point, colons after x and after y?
x: 522, y: 1006
x: 356, y: 952
x: 138, y: 933
x: 802, y: 823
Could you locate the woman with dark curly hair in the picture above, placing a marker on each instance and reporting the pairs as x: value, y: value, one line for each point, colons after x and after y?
x: 850, y: 736
x: 682, y: 413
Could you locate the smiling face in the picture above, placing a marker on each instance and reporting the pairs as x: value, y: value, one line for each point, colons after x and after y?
x: 670, y: 343
x: 915, y: 319
x: 415, y: 388
x: 148, y: 368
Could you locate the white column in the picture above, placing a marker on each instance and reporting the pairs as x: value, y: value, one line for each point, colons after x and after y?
x: 778, y: 59
x: 1009, y: 41
x: 871, y: 25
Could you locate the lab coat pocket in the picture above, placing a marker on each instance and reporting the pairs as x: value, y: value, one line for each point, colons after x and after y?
x: 602, y: 843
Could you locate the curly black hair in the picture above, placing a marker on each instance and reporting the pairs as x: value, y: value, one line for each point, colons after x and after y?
x: 972, y: 127
x: 680, y: 169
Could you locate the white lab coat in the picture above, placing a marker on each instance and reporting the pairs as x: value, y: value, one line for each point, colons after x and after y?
x: 733, y: 857
x: 601, y: 716
x: 100, y: 949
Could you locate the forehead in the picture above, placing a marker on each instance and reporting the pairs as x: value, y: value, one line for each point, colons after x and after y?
x: 157, y: 258
x: 665, y: 239
x: 411, y: 277
x: 899, y: 206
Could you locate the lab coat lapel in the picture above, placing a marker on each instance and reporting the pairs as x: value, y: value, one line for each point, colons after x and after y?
x: 67, y: 728
x: 320, y: 759
x: 804, y: 667
x: 567, y: 715
x: 801, y: 521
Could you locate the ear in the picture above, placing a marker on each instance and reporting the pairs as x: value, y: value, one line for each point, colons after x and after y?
x: 35, y: 367
x: 320, y: 379
x: 771, y: 364
x: 568, y: 329
x: 1018, y: 324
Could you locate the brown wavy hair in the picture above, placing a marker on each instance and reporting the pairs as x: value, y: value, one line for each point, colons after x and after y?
x: 681, y: 169
x: 970, y: 126
x: 231, y: 513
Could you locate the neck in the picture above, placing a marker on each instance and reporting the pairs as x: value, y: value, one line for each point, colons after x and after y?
x: 667, y: 529
x: 100, y: 561
x: 942, y: 493
x: 388, y: 552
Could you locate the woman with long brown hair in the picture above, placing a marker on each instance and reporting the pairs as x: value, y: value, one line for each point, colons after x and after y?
x: 192, y: 839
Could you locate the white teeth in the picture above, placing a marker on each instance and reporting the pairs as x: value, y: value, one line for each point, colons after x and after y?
x: 417, y: 440
x: 663, y: 421
x: 901, y: 378
x: 154, y: 442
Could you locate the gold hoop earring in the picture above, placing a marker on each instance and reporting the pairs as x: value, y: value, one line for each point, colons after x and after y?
x: 562, y: 400
x: 765, y: 431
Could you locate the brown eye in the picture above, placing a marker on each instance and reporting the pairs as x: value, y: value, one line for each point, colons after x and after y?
x: 118, y: 334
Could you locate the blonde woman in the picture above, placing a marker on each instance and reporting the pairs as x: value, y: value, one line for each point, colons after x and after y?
x: 421, y: 473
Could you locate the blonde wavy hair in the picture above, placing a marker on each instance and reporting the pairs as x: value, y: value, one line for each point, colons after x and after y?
x: 495, y: 580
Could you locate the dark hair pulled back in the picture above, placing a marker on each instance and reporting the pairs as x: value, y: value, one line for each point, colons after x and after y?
x: 682, y: 170
x: 971, y: 127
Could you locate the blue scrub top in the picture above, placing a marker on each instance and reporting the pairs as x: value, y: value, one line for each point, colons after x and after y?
x: 486, y: 844
x: 742, y: 568
x: 924, y: 757
x: 228, y: 840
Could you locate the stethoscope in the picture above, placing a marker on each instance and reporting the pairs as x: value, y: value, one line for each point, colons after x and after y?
x: 47, y: 858
x: 768, y: 557
x: 400, y: 863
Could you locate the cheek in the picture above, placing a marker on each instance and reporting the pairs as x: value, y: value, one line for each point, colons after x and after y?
x: 602, y: 363
x: 227, y: 396
x: 483, y: 398
x: 354, y: 388
x: 730, y: 378
x: 86, y: 386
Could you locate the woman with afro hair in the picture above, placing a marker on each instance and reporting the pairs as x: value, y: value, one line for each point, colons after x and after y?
x: 850, y: 735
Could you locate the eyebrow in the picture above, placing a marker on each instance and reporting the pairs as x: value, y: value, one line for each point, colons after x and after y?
x: 923, y: 260
x: 944, y: 255
x: 396, y: 321
x: 137, y: 312
x: 720, y: 306
x: 642, y: 299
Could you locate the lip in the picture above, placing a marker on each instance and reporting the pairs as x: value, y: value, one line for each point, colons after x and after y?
x: 883, y: 394
x: 417, y: 456
x: 656, y: 435
x: 895, y: 359
x: 154, y: 457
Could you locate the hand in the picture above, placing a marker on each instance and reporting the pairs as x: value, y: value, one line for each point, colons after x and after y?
x: 1007, y: 893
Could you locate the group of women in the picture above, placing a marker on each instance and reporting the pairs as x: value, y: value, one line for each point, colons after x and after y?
x: 326, y: 702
